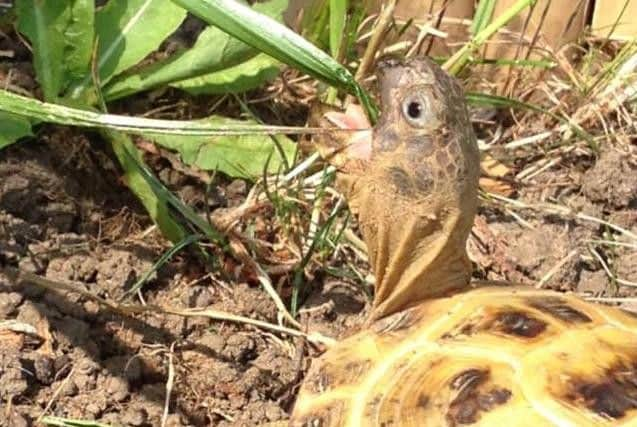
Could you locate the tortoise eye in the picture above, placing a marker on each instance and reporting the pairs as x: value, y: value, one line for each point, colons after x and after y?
x: 416, y: 109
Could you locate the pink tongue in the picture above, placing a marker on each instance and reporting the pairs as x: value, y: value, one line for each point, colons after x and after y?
x: 359, y: 145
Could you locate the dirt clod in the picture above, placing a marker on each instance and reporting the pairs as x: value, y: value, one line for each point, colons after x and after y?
x: 611, y: 180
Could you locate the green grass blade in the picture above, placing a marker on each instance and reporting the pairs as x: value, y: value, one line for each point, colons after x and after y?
x: 130, y: 155
x: 278, y: 41
x: 338, y: 13
x: 165, y: 257
x: 460, y: 58
x: 483, y: 15
x: 63, y: 115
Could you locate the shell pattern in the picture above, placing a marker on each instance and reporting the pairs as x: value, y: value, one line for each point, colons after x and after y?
x: 491, y: 356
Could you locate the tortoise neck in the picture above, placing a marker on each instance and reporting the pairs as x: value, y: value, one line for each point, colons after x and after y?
x: 428, y: 261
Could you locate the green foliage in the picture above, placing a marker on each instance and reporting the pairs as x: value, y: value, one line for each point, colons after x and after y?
x: 213, y: 51
x: 12, y: 128
x: 82, y: 55
x: 273, y: 38
x: 68, y: 35
x: 482, y: 17
x: 127, y: 31
x: 44, y: 24
x: 241, y: 78
x: 78, y: 36
x: 242, y: 156
x: 338, y: 18
x: 483, y: 32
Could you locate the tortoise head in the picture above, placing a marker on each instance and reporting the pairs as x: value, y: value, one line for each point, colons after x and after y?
x: 414, y: 187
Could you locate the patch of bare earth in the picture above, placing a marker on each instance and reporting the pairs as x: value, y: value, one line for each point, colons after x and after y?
x: 65, y: 216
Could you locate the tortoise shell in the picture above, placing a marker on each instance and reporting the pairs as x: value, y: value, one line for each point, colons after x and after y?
x: 491, y: 356
x: 437, y: 350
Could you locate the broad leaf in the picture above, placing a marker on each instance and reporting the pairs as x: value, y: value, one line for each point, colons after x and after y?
x: 127, y: 31
x: 246, y: 76
x: 44, y: 23
x: 214, y: 50
x: 13, y: 128
x: 244, y: 156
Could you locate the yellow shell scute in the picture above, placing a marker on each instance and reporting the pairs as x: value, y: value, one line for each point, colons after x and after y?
x: 481, y: 358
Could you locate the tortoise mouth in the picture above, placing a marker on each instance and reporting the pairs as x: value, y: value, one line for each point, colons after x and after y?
x: 358, y: 146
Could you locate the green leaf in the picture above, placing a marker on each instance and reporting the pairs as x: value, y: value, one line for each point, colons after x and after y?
x: 459, y: 59
x: 214, y: 50
x: 279, y: 42
x: 44, y: 23
x: 244, y: 156
x: 12, y: 128
x: 246, y: 76
x: 78, y: 37
x: 127, y: 31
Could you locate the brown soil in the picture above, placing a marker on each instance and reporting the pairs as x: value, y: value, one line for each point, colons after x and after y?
x: 64, y: 215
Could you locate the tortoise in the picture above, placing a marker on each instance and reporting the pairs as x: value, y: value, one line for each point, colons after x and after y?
x: 437, y: 348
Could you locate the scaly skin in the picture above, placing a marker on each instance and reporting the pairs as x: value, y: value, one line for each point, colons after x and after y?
x: 439, y: 350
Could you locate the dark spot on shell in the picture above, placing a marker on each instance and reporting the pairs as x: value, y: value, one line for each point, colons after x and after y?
x: 560, y: 309
x: 470, y: 377
x: 471, y: 398
x: 466, y: 413
x: 423, y: 401
x: 613, y: 396
x: 397, y: 322
x: 493, y: 398
x: 519, y: 323
x: 401, y: 180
